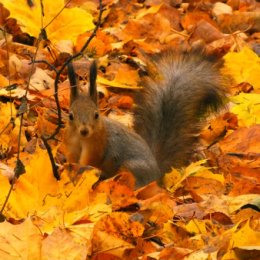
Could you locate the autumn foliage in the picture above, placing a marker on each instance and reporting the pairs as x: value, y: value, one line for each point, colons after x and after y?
x: 208, y: 210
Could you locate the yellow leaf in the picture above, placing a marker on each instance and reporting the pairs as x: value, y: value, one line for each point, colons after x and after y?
x: 9, y: 136
x: 34, y: 188
x: 95, y: 209
x: 247, y: 108
x: 20, y: 241
x: 243, y: 66
x: 151, y: 10
x: 52, y: 203
x: 174, y: 179
x: 5, y: 185
x: 57, y: 216
x: 66, y: 26
x: 115, y: 83
x: 105, y: 241
x: 210, y: 175
x: 230, y: 255
x: 47, y: 221
x: 196, y: 226
x: 3, y: 81
x: 78, y: 200
x: 246, y: 237
x: 77, y: 195
x: 195, y: 167
x: 237, y: 202
x: 201, y: 255
x: 61, y: 244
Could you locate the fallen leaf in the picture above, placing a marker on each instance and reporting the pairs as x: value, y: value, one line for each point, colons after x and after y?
x: 63, y: 244
x: 20, y: 241
x: 243, y: 66
x: 247, y: 108
x: 67, y: 25
x: 115, y: 233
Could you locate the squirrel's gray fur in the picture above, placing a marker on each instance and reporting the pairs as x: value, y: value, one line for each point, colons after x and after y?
x: 167, y: 119
x: 174, y: 102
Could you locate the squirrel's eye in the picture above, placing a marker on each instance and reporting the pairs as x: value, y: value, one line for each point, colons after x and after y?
x: 71, y: 117
x: 96, y: 115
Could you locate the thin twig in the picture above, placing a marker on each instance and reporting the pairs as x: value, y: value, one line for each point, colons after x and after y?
x: 18, y: 161
x: 57, y: 14
x: 8, y: 69
x: 47, y: 63
x: 6, y: 127
x: 53, y: 163
x: 7, y: 196
x: 16, y: 171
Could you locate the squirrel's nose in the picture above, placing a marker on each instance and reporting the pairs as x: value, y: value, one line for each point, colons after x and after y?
x: 84, y: 131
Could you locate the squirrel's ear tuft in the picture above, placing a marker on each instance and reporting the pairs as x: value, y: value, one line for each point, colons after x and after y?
x: 73, y: 82
x: 92, y: 82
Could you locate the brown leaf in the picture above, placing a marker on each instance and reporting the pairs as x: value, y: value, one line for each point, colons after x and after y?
x: 174, y: 253
x: 239, y: 21
x: 244, y: 180
x: 120, y: 194
x: 240, y: 156
x: 191, y: 19
x: 115, y: 233
x: 204, y: 30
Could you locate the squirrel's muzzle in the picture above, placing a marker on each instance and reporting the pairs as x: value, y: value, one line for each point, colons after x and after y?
x: 84, y: 131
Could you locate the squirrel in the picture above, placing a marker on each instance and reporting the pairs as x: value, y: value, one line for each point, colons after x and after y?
x: 167, y: 118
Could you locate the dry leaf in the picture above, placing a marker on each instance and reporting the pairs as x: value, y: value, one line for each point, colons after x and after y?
x: 67, y: 25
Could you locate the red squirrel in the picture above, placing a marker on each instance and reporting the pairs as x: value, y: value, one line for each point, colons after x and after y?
x: 167, y: 120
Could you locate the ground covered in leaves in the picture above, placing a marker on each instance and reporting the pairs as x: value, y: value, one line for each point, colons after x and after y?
x: 210, y: 210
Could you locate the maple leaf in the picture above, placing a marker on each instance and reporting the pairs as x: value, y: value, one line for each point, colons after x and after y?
x: 75, y: 219
x: 3, y: 81
x: 32, y: 189
x: 247, y: 108
x: 20, y: 241
x: 67, y: 25
x: 9, y: 128
x: 174, y: 179
x: 125, y: 78
x: 243, y: 239
x: 62, y: 244
x: 243, y: 66
x: 116, y: 232
x: 37, y: 191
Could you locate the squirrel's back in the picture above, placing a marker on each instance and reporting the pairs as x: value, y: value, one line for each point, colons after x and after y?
x: 173, y: 102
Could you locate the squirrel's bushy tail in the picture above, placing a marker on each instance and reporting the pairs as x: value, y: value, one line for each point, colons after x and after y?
x: 172, y: 104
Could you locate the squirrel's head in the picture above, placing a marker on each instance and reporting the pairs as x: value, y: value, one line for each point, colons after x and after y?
x: 84, y: 112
